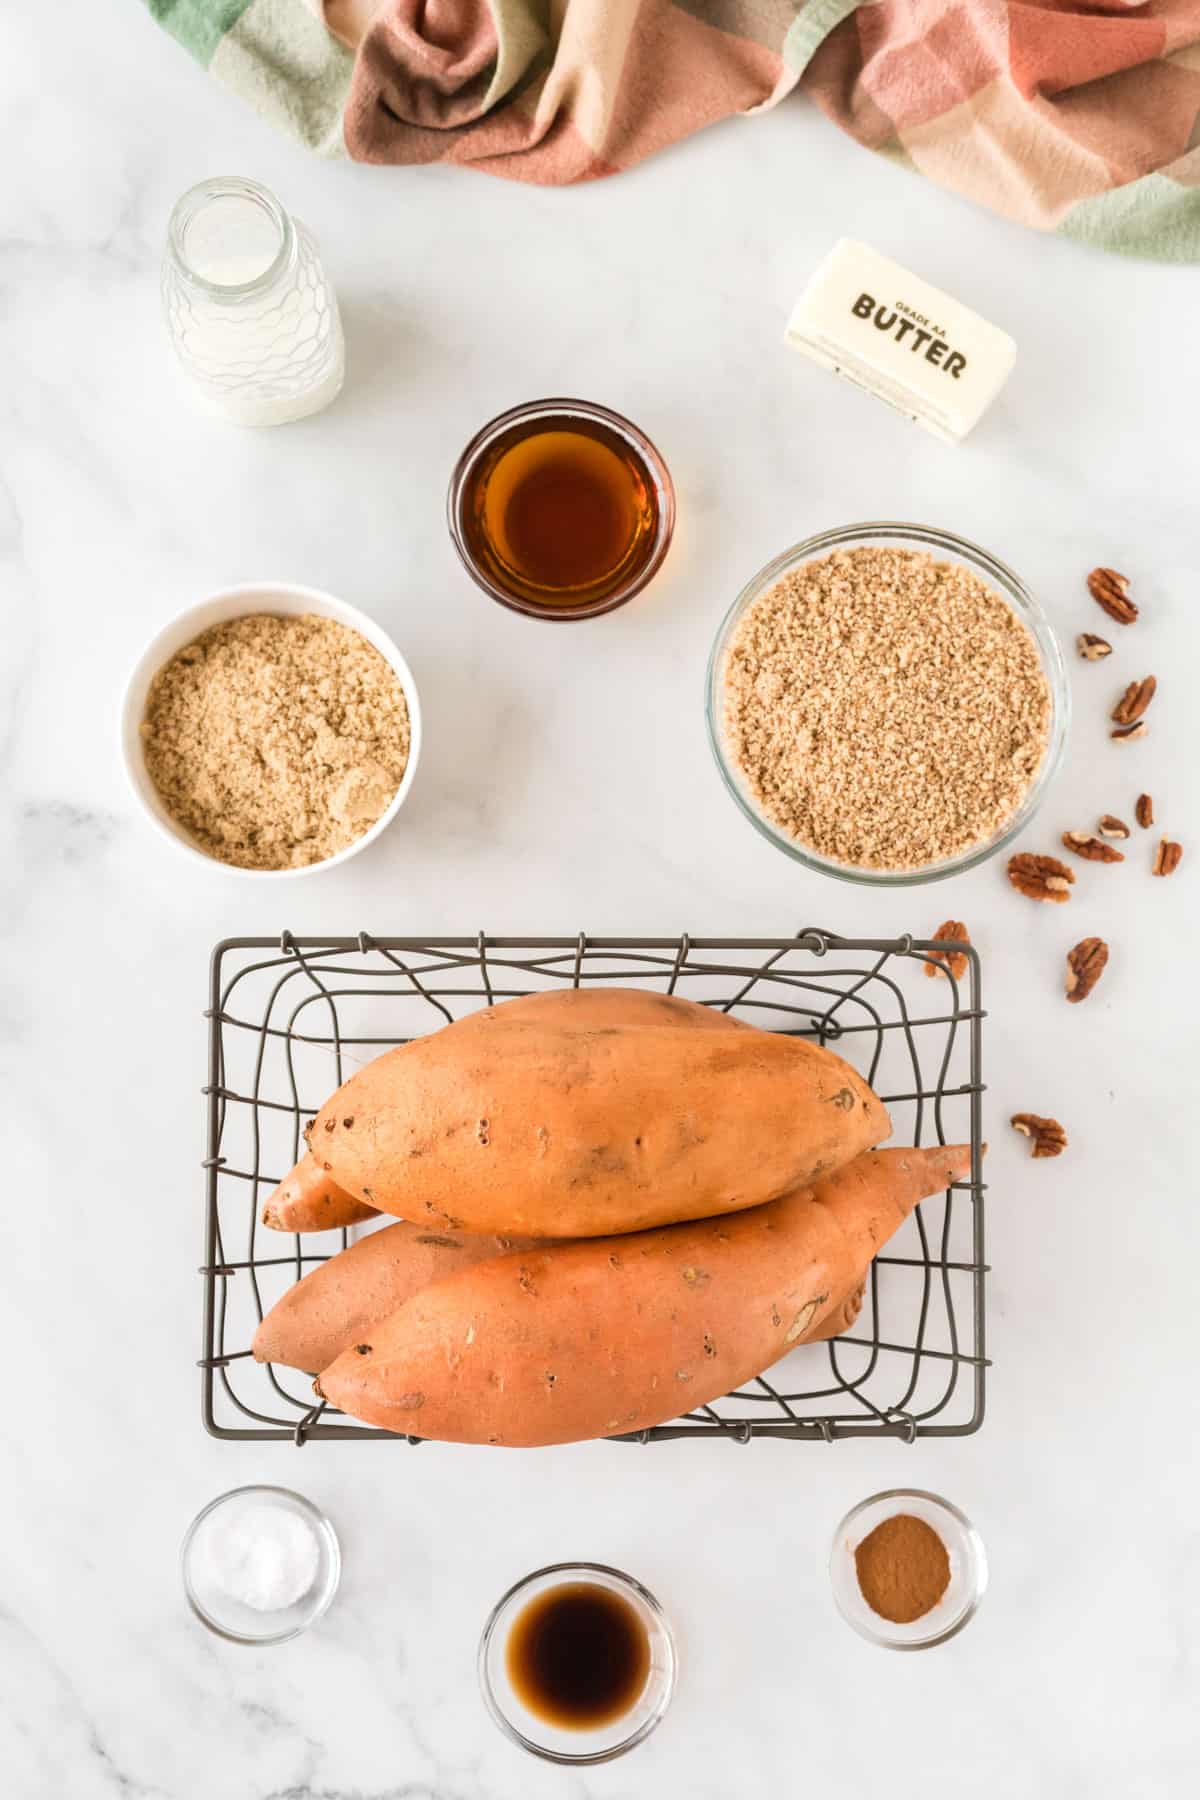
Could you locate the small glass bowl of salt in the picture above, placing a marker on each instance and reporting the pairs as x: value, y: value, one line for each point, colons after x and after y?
x: 260, y: 1565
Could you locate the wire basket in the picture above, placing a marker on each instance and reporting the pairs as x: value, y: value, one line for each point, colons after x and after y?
x: 291, y: 1018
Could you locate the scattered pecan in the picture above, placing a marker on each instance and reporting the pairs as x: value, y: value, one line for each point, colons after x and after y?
x: 1125, y: 734
x: 1041, y: 877
x: 953, y: 931
x: 1092, y: 849
x: 1134, y: 700
x: 1143, y: 812
x: 1112, y: 827
x: 1111, y: 591
x: 1085, y: 965
x: 1091, y: 647
x: 1167, y: 857
x: 1049, y: 1138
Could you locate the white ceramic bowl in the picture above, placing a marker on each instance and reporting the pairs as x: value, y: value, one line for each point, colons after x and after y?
x: 283, y: 597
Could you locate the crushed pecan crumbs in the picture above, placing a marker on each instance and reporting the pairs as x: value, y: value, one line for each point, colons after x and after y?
x: 1112, y: 827
x: 1110, y: 590
x: 1167, y: 857
x: 1041, y: 877
x: 1125, y: 734
x: 953, y: 931
x: 1047, y: 1135
x: 883, y: 708
x: 1085, y: 965
x: 1092, y: 849
x: 1135, y: 700
x: 1091, y: 647
x: 1143, y: 812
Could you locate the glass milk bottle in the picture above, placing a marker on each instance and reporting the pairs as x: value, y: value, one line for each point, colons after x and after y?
x: 251, y: 313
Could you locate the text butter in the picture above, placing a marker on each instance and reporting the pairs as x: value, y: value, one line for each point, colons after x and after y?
x: 906, y: 342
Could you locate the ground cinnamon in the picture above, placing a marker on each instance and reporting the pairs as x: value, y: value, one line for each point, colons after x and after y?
x: 903, y: 1569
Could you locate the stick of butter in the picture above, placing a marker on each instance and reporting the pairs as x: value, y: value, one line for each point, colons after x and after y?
x: 866, y: 318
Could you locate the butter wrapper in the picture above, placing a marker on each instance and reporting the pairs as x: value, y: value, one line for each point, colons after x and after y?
x: 906, y: 342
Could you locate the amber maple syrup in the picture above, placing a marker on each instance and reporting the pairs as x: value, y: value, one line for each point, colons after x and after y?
x: 578, y: 1656
x: 560, y: 511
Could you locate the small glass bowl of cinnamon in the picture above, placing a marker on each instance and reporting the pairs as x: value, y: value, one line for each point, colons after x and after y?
x: 908, y: 1569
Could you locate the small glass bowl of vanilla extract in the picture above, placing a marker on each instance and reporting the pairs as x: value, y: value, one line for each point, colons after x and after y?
x: 561, y: 509
x: 577, y: 1663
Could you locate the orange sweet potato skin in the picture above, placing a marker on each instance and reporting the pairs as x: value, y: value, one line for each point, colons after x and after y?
x: 307, y: 1200
x: 841, y: 1317
x: 337, y: 1302
x: 598, y: 1008
x: 532, y: 1117
x: 583, y: 1340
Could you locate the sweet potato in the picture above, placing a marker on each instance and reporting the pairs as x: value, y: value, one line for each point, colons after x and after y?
x: 841, y: 1317
x: 337, y: 1302
x: 581, y: 1340
x: 600, y: 1008
x: 531, y: 1118
x: 307, y: 1200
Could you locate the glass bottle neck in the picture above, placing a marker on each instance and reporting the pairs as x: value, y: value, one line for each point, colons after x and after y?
x: 229, y: 238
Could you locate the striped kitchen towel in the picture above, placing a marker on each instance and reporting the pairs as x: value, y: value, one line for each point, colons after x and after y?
x: 1082, y: 119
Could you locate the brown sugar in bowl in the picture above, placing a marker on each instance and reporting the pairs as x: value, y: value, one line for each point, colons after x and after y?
x: 285, y: 599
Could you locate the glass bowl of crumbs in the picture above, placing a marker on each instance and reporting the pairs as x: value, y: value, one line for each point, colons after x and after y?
x: 887, y: 703
x: 272, y: 729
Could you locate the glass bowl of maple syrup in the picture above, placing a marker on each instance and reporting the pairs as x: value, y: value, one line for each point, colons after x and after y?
x: 577, y: 1663
x: 561, y: 509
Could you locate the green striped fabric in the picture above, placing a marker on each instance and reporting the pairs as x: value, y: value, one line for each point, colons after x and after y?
x: 1078, y: 118
x: 199, y: 25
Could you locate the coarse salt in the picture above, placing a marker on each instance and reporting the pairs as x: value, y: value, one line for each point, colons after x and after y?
x: 262, y: 1555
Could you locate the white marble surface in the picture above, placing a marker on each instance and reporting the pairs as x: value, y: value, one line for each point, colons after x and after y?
x: 566, y: 784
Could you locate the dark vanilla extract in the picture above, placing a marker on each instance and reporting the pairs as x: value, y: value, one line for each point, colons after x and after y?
x: 578, y: 1656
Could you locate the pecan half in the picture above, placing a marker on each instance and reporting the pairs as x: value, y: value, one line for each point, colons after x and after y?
x: 1041, y: 877
x: 953, y: 931
x: 1135, y: 700
x: 1112, y: 827
x: 1167, y: 857
x: 1143, y: 812
x: 1125, y: 734
x: 1085, y: 965
x: 1092, y: 849
x: 1049, y: 1138
x: 1091, y: 647
x: 1111, y: 591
